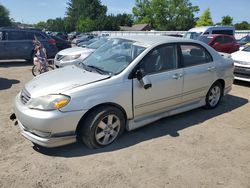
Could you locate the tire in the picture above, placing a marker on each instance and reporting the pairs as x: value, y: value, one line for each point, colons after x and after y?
x: 35, y: 70
x: 214, y: 96
x: 102, y: 127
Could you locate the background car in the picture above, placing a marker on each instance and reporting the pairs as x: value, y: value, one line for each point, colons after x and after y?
x: 221, y: 43
x: 75, y: 55
x: 16, y: 43
x: 244, y: 40
x: 242, y: 64
x: 61, y: 43
x: 82, y: 38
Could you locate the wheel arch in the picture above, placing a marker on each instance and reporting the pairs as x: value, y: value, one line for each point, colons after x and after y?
x: 110, y: 104
x: 222, y: 82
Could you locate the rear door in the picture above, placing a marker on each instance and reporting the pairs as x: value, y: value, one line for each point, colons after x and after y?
x: 229, y: 44
x: 16, y: 45
x: 198, y: 71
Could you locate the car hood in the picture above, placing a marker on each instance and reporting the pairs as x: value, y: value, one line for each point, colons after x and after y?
x: 75, y: 51
x: 241, y: 56
x: 60, y: 80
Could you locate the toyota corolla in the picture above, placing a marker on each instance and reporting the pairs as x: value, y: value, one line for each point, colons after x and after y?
x: 128, y: 82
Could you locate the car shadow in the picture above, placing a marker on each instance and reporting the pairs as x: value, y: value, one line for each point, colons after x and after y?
x: 242, y: 83
x: 6, y: 83
x: 167, y: 126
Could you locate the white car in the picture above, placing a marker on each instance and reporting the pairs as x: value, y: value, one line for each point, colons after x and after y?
x: 75, y: 55
x: 242, y: 64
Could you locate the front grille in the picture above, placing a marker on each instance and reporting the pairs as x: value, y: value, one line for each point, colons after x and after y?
x: 59, y: 57
x: 243, y: 72
x: 25, y: 96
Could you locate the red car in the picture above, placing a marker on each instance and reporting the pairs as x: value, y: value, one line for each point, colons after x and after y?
x: 221, y: 43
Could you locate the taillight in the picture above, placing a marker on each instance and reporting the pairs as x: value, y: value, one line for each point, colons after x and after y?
x: 52, y: 41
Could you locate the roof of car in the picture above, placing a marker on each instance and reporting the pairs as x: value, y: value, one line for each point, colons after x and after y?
x: 153, y: 39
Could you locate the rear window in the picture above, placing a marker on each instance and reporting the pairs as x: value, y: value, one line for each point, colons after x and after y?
x: 227, y: 32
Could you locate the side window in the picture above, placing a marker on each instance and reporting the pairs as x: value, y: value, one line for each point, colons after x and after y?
x: 39, y: 36
x: 193, y: 54
x: 30, y: 35
x: 160, y: 59
x: 15, y: 35
x: 228, y: 39
x: 218, y: 39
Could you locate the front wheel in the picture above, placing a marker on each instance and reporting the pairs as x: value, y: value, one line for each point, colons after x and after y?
x: 214, y: 95
x: 102, y: 127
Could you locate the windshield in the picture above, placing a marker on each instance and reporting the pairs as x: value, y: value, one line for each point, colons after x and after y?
x: 247, y: 49
x: 192, y: 35
x: 114, y: 56
x: 97, y: 43
x: 204, y: 39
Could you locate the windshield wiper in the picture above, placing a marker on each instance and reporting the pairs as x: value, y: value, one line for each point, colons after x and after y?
x: 97, y: 69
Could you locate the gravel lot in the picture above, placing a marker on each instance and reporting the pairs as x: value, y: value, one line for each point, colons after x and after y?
x: 200, y: 148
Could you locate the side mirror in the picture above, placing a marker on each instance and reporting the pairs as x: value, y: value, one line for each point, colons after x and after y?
x: 143, y: 79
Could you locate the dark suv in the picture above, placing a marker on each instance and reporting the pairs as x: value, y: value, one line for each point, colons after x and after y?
x: 220, y: 42
x: 16, y: 43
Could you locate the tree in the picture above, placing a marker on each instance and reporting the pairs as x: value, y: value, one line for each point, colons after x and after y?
x: 124, y: 19
x: 84, y: 10
x: 242, y: 26
x: 165, y: 14
x: 4, y: 17
x: 205, y: 19
x: 227, y: 20
x: 143, y: 12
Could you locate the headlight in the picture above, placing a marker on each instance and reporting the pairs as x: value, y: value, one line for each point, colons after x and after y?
x: 49, y: 102
x: 70, y: 57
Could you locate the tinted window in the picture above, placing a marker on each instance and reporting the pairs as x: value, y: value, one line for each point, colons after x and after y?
x: 228, y: 39
x: 194, y: 55
x: 218, y: 39
x: 160, y: 59
x: 227, y: 32
x: 15, y: 35
x: 39, y: 36
x: 30, y: 35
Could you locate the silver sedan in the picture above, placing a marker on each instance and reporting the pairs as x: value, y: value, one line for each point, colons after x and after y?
x: 128, y: 82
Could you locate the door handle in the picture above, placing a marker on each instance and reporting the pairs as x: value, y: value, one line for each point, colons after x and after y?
x: 177, y: 76
x: 211, y: 69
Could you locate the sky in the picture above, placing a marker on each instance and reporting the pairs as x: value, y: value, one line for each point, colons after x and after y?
x: 33, y: 11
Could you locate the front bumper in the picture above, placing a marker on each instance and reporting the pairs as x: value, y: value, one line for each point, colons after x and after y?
x: 59, y: 127
x: 46, y: 142
x: 242, y: 73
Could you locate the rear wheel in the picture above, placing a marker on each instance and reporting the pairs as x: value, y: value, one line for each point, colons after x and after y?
x: 102, y: 127
x: 35, y: 70
x: 214, y: 96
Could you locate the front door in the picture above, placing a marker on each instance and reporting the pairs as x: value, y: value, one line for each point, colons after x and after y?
x: 160, y: 65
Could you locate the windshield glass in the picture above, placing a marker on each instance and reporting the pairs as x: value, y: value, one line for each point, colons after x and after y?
x: 192, y: 35
x: 247, y: 49
x: 97, y: 43
x: 114, y: 56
